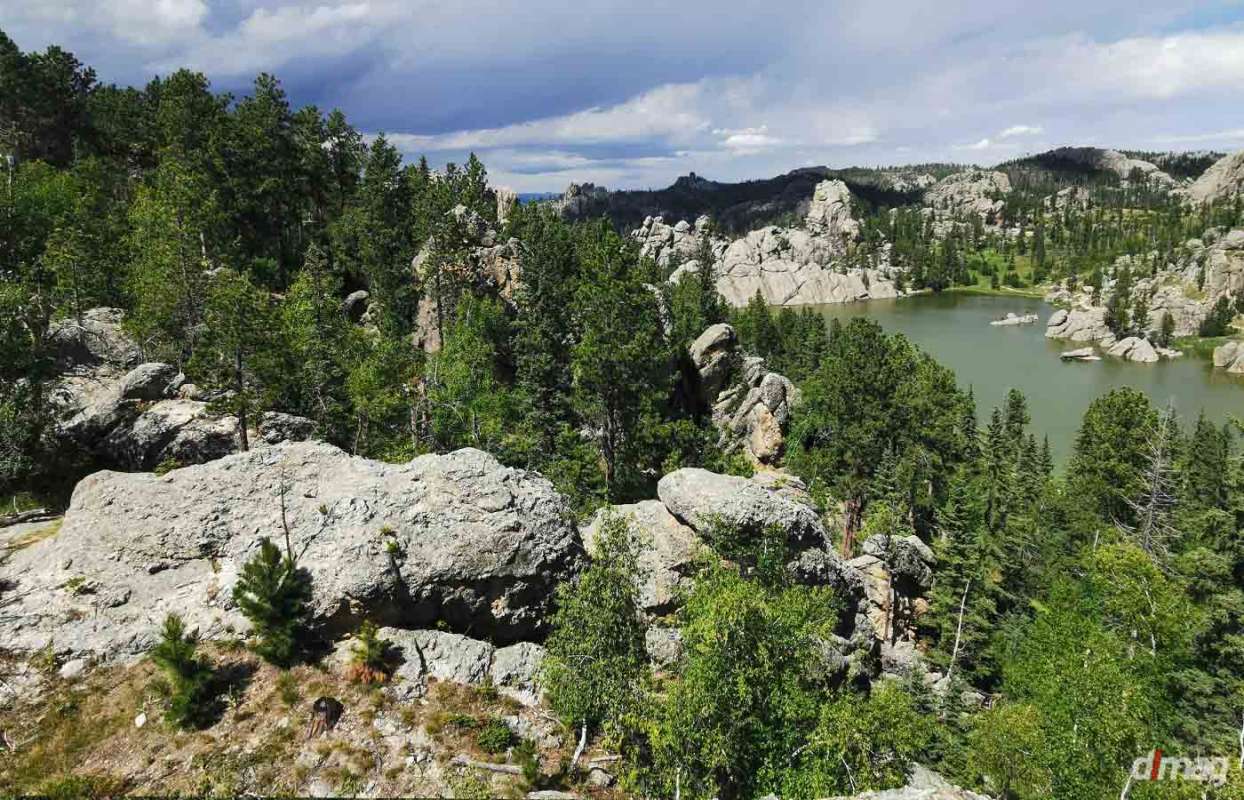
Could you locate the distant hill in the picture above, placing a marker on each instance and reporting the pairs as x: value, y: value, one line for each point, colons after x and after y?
x: 743, y: 206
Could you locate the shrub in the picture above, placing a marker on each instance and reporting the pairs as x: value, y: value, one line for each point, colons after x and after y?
x: 495, y: 736
x: 596, y: 653
x: 273, y: 593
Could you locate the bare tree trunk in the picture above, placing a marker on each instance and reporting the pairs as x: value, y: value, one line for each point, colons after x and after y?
x: 239, y: 386
x: 578, y: 751
x: 954, y: 654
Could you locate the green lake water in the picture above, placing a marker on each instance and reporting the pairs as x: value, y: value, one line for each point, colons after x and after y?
x: 955, y: 329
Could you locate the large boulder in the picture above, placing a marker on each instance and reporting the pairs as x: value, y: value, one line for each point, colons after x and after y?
x: 456, y: 539
x: 750, y: 405
x: 713, y: 353
x: 1133, y: 348
x: 1222, y: 181
x: 95, y: 340
x: 1085, y: 324
x: 830, y: 211
x: 150, y: 381
x: 1230, y: 356
x: 703, y: 500
x: 111, y: 410
x: 444, y: 656
x: 668, y: 550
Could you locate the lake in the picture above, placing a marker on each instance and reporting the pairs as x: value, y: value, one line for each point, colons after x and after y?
x: 954, y: 329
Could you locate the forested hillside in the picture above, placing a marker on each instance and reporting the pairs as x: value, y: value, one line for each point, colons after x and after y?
x: 705, y: 552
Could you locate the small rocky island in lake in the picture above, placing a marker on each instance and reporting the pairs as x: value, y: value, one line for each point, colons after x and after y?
x: 1012, y: 318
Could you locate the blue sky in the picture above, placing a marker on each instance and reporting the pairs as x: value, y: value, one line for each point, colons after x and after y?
x: 633, y: 94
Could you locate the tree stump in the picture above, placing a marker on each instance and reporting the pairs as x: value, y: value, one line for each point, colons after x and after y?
x: 325, y: 712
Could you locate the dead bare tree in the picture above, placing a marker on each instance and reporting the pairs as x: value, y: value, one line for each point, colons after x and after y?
x: 1152, y: 508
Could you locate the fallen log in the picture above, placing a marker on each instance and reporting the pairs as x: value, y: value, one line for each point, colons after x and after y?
x: 466, y: 761
x: 34, y: 515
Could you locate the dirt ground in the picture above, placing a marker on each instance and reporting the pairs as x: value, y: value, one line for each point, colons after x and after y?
x: 104, y: 733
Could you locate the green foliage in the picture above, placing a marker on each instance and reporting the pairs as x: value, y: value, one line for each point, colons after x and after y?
x: 620, y: 363
x: 273, y: 592
x: 596, y: 659
x: 746, y: 696
x: 875, y: 394
x: 495, y: 736
x: 860, y: 743
x: 1006, y: 743
x: 191, y: 700
x: 468, y: 405
x: 1110, y: 453
x: 369, y: 657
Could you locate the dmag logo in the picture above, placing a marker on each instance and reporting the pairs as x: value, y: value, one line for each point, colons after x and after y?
x: 1158, y: 767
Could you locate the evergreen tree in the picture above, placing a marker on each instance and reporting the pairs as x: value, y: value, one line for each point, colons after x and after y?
x: 273, y: 593
x: 190, y: 697
x: 620, y: 363
x: 236, y: 348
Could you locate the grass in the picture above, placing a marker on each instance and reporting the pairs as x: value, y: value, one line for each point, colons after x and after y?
x: 33, y: 536
x: 1202, y: 347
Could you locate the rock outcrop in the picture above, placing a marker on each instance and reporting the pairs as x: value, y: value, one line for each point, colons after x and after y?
x: 749, y: 404
x: 704, y: 500
x: 1222, y: 181
x: 1230, y: 356
x: 897, y: 572
x: 966, y: 194
x: 1012, y: 318
x: 922, y: 784
x: 455, y: 538
x: 668, y: 554
x: 113, y: 411
x: 445, y: 656
x: 1202, y: 272
x: 487, y: 267
x: 1082, y: 324
x: 787, y: 266
x: 1133, y: 348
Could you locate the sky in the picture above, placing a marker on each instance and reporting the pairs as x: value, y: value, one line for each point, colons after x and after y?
x: 633, y: 94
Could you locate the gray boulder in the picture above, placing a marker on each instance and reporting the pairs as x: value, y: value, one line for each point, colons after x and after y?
x: 712, y: 353
x: 703, y: 499
x: 1086, y: 324
x: 668, y: 550
x: 278, y: 427
x: 908, y: 559
x: 443, y: 656
x: 150, y: 381
x: 663, y: 645
x: 1230, y: 356
x: 94, y: 341
x: 1133, y: 348
x: 453, y: 538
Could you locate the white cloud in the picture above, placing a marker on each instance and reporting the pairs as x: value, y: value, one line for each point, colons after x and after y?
x: 1020, y: 130
x: 635, y: 92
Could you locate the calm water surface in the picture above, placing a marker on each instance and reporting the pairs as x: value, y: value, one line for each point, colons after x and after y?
x: 955, y: 329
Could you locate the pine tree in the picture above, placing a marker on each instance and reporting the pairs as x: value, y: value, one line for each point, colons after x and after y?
x: 273, y: 593
x: 190, y: 698
x: 236, y: 347
x: 369, y: 656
